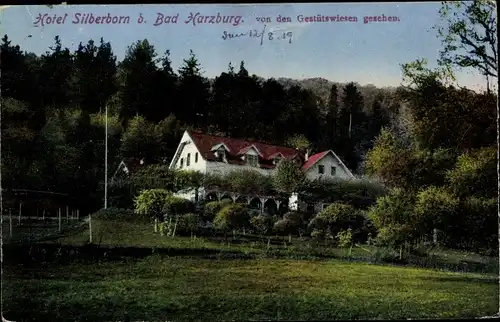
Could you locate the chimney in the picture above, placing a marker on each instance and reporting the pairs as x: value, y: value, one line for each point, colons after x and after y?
x: 303, y: 153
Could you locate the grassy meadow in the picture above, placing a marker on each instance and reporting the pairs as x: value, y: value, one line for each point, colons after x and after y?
x: 277, y: 281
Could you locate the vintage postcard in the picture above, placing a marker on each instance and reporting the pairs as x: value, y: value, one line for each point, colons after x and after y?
x: 217, y: 162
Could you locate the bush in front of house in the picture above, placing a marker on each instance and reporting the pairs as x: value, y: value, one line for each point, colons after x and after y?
x: 175, y: 206
x: 150, y: 202
x: 232, y: 217
x: 262, y: 224
x: 336, y: 217
x: 188, y: 224
x: 292, y: 223
x: 344, y: 238
x: 212, y: 208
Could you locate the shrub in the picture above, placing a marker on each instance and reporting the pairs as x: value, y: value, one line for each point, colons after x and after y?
x: 299, y: 220
x: 288, y: 177
x: 318, y: 234
x: 476, y: 227
x: 475, y: 173
x: 231, y: 217
x: 212, y: 208
x: 336, y: 217
x: 176, y: 206
x: 284, y: 227
x: 395, y: 208
x: 151, y: 202
x: 262, y: 223
x: 393, y: 235
x: 434, y: 208
x: 344, y: 238
x: 188, y: 223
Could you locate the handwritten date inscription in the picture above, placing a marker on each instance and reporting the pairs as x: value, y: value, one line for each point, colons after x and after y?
x: 260, y: 35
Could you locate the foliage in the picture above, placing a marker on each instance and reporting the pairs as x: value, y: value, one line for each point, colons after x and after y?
x: 408, y: 168
x: 154, y: 176
x: 360, y: 193
x: 336, y: 217
x: 175, y: 206
x: 392, y: 215
x: 299, y: 142
x: 288, y: 177
x: 293, y: 222
x: 249, y: 182
x: 469, y: 35
x: 388, y: 161
x: 393, y: 235
x: 434, y: 208
x: 344, y: 238
x: 475, y: 173
x: 212, y: 208
x: 232, y: 217
x: 188, y: 223
x: 476, y: 227
x: 262, y: 223
x: 151, y: 202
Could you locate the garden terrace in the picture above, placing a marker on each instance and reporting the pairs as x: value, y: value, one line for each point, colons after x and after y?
x: 274, y: 204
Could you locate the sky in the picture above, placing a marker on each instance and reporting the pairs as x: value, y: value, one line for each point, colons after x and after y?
x: 340, y: 51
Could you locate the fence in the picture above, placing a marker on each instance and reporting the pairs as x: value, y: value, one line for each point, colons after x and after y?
x: 22, y: 228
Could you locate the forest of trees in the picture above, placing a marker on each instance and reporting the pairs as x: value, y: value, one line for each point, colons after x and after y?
x: 408, y: 137
x: 53, y: 112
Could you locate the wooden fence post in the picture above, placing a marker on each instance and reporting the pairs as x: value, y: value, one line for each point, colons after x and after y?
x: 59, y: 219
x: 77, y: 213
x: 20, y: 211
x: 10, y: 223
x: 67, y: 213
x: 90, y: 228
x: 43, y: 214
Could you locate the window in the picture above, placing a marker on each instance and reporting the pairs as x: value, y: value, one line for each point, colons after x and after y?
x: 220, y: 154
x: 252, y: 160
x: 188, y: 160
x: 196, y: 157
x: 333, y: 171
x: 182, y: 163
x: 321, y: 169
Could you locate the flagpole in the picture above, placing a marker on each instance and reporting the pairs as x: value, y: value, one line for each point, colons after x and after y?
x: 106, y: 158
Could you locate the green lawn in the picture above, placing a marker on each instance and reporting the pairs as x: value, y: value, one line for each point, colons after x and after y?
x: 162, y: 288
x: 281, y: 288
x: 135, y: 234
x: 34, y: 230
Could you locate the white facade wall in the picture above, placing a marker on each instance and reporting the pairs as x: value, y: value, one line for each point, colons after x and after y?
x: 327, y: 161
x: 222, y: 168
x: 191, y: 150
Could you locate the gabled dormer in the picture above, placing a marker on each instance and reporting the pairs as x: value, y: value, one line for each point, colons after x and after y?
x: 277, y: 157
x: 250, y: 155
x: 220, y: 151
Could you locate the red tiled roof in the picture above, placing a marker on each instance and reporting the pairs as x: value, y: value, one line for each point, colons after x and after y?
x: 205, y: 142
x: 133, y: 164
x: 313, y: 159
